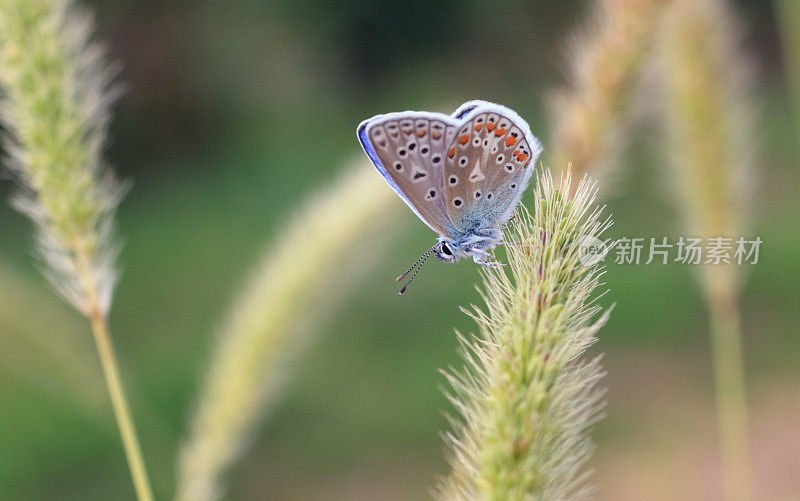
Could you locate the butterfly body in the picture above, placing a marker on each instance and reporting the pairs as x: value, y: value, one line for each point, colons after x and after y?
x: 475, y: 244
x: 462, y: 174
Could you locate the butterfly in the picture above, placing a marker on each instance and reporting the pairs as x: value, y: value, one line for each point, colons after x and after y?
x: 462, y: 174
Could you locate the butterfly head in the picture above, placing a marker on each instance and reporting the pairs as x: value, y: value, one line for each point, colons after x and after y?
x: 445, y: 251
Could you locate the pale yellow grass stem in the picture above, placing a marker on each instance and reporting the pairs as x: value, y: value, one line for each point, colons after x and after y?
x: 127, y: 430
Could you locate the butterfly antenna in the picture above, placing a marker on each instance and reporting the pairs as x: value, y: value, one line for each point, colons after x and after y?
x: 421, y: 262
x: 414, y: 267
x: 423, y: 257
x: 512, y: 221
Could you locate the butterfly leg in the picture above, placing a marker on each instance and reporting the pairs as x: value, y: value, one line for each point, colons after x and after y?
x: 494, y: 264
x: 481, y: 256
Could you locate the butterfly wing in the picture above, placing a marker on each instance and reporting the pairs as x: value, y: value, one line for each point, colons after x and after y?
x: 408, y: 149
x: 488, y: 165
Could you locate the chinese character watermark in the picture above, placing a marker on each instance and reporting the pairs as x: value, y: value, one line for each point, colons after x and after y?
x: 718, y: 250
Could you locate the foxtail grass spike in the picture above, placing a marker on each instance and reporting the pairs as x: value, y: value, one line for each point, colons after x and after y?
x: 57, y: 90
x: 527, y: 396
x: 270, y: 321
x: 605, y: 58
x: 709, y: 116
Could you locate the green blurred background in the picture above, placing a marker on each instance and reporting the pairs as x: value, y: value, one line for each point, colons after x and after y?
x: 237, y: 112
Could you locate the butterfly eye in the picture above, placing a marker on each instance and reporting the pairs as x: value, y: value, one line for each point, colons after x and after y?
x: 446, y: 250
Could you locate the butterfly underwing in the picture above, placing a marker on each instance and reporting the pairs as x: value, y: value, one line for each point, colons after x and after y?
x: 462, y: 174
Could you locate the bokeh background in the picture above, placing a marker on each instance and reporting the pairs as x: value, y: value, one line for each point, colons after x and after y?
x: 237, y: 112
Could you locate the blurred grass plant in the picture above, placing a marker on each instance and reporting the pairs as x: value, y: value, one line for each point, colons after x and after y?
x: 57, y: 89
x: 305, y: 272
x: 788, y: 17
x: 605, y: 61
x: 526, y: 398
x: 710, y: 121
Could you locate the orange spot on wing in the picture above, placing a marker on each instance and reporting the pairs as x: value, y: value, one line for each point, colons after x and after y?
x: 517, y: 152
x: 522, y: 157
x: 511, y: 141
x: 491, y: 126
x: 436, y: 134
x: 478, y: 126
x: 420, y: 132
x: 452, y: 152
x: 499, y: 132
x: 463, y: 138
